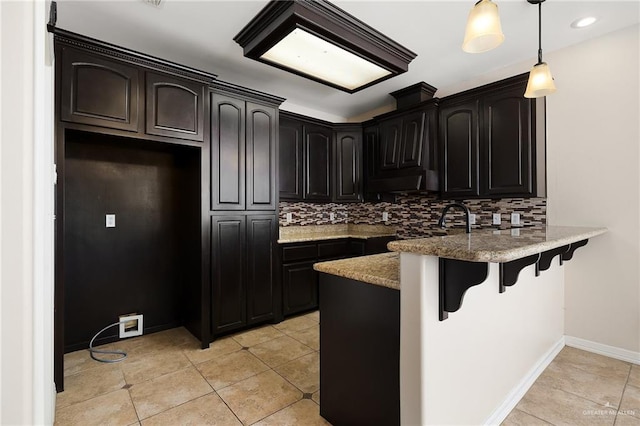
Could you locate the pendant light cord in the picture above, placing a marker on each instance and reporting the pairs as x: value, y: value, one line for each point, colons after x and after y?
x: 539, y: 33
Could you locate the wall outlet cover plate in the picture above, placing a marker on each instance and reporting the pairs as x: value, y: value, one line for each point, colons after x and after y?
x: 131, y: 332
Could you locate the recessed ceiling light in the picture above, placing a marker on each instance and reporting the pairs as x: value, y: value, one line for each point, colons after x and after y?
x: 583, y: 22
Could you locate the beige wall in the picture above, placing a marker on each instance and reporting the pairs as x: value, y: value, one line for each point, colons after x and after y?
x: 593, y: 142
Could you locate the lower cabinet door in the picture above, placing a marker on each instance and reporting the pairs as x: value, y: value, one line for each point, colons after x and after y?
x: 228, y: 236
x: 262, y: 235
x: 299, y: 287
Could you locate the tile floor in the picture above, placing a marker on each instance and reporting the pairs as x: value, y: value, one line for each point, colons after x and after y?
x: 270, y: 376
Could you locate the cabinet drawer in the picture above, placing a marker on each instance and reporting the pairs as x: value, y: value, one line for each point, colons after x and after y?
x: 334, y: 249
x: 301, y: 252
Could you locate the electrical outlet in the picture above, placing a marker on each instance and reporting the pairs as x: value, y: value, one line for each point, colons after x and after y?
x: 332, y: 216
x: 131, y: 325
x: 515, y: 218
x: 385, y: 216
x: 472, y: 218
x: 110, y: 221
x: 497, y: 220
x: 289, y: 217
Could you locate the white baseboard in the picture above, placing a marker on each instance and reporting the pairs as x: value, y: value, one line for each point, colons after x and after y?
x: 602, y: 349
x: 521, y: 388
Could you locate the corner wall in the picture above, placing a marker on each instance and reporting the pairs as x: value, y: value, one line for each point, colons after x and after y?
x: 593, y: 167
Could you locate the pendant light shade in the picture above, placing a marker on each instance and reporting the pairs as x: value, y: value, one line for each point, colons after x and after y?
x: 540, y: 79
x: 483, y: 31
x: 540, y: 82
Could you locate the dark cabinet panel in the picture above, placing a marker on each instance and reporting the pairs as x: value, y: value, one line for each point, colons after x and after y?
x: 262, y: 231
x: 261, y: 157
x: 291, y: 159
x: 412, y: 140
x: 390, y: 140
x: 507, y: 144
x: 460, y: 139
x: 300, y: 287
x: 317, y: 154
x: 228, y: 273
x: 227, y: 153
x: 98, y: 91
x: 348, y: 166
x: 175, y: 107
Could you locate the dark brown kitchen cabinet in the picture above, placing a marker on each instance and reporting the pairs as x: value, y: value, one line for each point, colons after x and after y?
x: 390, y: 140
x: 460, y: 139
x: 228, y: 240
x: 243, y: 154
x: 98, y: 91
x: 489, y: 142
x: 317, y: 155
x: 405, y: 157
x: 507, y: 154
x: 348, y: 165
x: 291, y: 159
x: 243, y: 256
x: 306, y: 159
x: 300, y: 287
x: 175, y: 107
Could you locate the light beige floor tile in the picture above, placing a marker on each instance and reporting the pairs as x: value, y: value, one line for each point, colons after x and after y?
x: 593, y: 363
x: 154, y: 365
x: 634, y: 376
x: 259, y: 396
x: 304, y: 412
x: 309, y: 337
x: 231, y: 368
x: 206, y: 410
x: 316, y: 397
x: 168, y: 391
x: 278, y: 351
x: 90, y: 383
x: 217, y: 348
x: 114, y: 408
x: 624, y: 420
x: 520, y: 418
x: 605, y: 390
x: 303, y: 372
x: 563, y: 408
x: 630, y: 404
x: 315, y: 316
x: 257, y: 336
x: 295, y: 324
x: 78, y: 361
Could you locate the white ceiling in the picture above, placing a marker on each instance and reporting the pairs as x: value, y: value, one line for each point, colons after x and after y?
x: 200, y: 34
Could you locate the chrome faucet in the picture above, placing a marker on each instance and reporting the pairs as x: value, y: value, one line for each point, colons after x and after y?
x: 441, y: 222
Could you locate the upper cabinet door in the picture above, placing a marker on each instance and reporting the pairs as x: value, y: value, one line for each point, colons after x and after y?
x: 98, y: 91
x: 261, y: 157
x: 390, y: 139
x: 348, y: 162
x: 459, y: 135
x: 507, y: 144
x: 317, y: 147
x: 227, y: 153
x: 412, y: 140
x: 175, y: 107
x: 291, y: 164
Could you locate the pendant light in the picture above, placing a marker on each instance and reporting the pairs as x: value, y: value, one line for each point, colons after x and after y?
x: 483, y: 31
x: 540, y: 80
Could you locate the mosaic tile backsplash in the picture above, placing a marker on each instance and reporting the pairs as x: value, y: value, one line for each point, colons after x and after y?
x: 417, y: 215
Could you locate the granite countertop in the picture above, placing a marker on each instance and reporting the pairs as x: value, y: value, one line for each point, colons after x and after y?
x: 295, y: 234
x: 496, y: 246
x: 379, y: 269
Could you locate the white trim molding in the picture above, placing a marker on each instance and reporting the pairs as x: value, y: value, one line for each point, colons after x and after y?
x: 602, y: 349
x: 518, y: 392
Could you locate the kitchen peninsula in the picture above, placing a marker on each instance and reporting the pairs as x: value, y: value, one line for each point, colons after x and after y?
x: 460, y: 362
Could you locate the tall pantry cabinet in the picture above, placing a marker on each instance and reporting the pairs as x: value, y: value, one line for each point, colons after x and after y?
x: 244, y: 209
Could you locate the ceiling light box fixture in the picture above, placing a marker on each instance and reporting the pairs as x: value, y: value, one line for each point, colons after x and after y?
x: 317, y: 40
